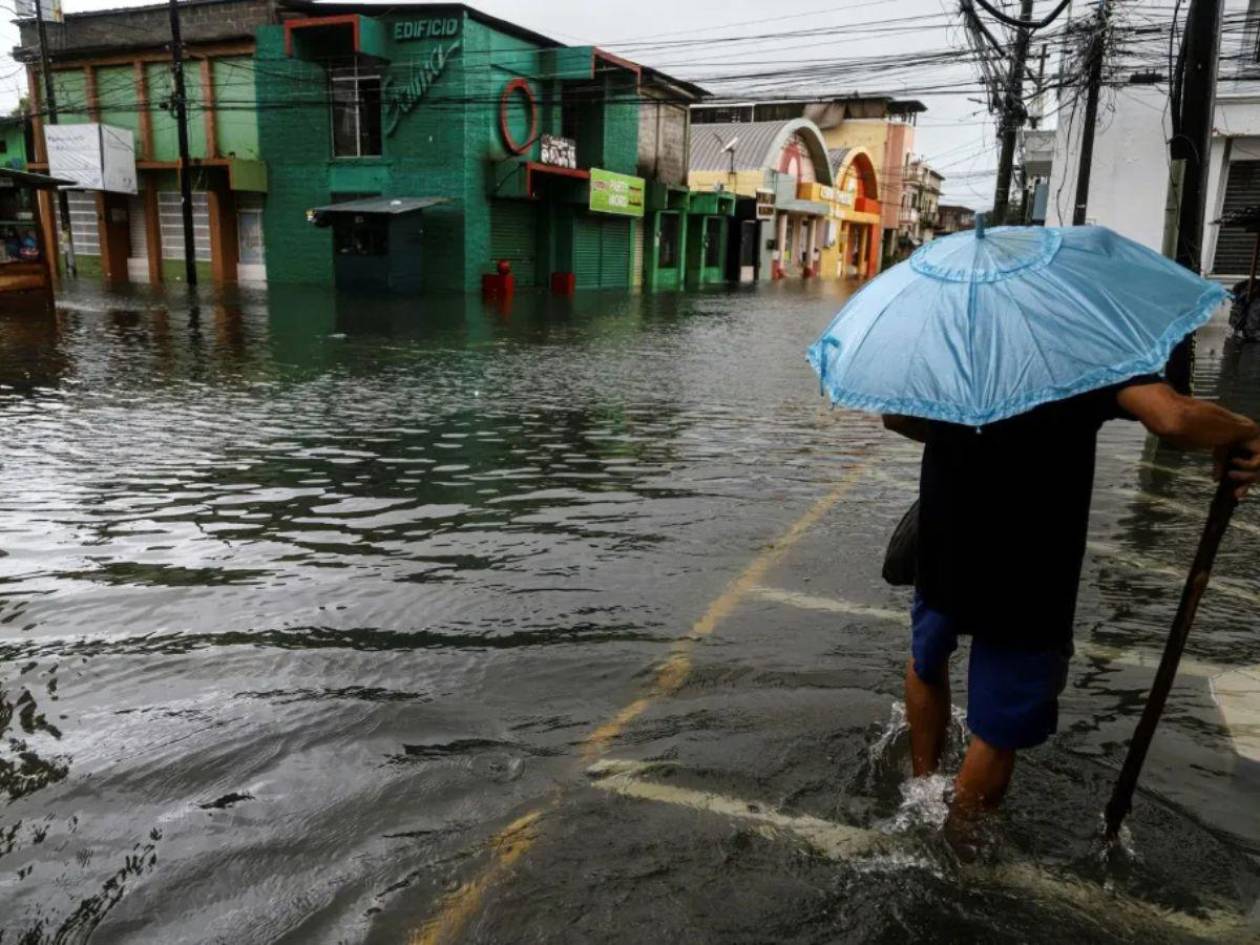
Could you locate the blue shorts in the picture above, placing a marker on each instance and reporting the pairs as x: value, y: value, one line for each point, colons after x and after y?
x: 1012, y: 694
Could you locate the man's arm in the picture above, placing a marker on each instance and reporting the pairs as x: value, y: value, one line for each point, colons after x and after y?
x: 1196, y: 424
x: 911, y: 427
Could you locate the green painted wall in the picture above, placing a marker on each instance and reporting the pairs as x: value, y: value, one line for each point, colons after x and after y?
x: 173, y: 271
x: 293, y: 135
x: 236, y: 100
x: 165, y: 134
x: 88, y: 267
x: 235, y: 96
x: 621, y: 125
x: 71, y: 90
x: 13, y: 143
x: 116, y: 96
x: 424, y: 156
x: 447, y: 143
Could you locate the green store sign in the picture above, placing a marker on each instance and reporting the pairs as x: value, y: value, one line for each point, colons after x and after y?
x: 441, y: 28
x: 616, y: 193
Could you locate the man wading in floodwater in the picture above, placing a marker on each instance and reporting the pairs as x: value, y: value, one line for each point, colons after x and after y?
x: 1003, y: 515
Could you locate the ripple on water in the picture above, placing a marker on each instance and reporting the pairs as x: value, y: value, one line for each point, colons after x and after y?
x: 301, y: 599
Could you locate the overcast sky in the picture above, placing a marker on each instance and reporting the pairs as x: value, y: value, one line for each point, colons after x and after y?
x: 705, y: 39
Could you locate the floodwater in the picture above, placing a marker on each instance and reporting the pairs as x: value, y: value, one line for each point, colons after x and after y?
x: 333, y: 622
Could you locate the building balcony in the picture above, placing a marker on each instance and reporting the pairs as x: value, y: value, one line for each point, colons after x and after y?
x: 909, y: 216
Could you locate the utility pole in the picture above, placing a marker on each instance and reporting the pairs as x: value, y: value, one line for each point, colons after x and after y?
x: 1097, y: 50
x: 179, y: 101
x: 1193, y: 145
x: 1012, y: 114
x: 50, y: 110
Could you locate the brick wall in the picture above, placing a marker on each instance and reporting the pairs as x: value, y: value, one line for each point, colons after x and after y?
x: 202, y: 21
x: 663, y: 141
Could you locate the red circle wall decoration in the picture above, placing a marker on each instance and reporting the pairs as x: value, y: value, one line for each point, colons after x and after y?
x: 505, y: 100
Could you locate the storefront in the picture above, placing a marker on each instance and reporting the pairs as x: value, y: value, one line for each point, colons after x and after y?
x: 853, y: 249
x: 665, y: 237
x: 113, y: 83
x: 778, y: 172
x: 26, y: 271
x: 573, y: 228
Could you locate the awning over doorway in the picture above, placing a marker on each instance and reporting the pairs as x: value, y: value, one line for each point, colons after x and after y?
x: 385, y: 206
x: 811, y: 207
x: 390, y: 205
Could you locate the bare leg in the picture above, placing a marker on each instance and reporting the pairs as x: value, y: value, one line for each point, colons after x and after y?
x: 928, y: 712
x: 982, y: 782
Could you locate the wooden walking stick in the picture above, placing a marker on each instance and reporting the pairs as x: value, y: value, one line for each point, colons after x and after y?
x: 1222, y: 509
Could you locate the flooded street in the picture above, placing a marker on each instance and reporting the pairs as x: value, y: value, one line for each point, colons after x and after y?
x: 336, y: 622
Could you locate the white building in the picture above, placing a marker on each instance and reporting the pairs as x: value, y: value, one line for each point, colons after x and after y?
x: 1129, y: 182
x: 920, y: 203
x: 1036, y: 160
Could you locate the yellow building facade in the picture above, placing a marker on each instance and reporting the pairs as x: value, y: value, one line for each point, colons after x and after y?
x: 802, y: 211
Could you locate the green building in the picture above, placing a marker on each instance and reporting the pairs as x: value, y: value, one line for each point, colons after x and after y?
x: 15, y: 131
x: 517, y: 147
x: 112, y: 67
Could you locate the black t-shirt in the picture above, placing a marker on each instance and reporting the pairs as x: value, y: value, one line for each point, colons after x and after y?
x: 1003, y: 515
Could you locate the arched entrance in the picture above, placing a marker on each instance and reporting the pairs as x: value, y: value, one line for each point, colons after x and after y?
x: 802, y: 171
x: 858, y: 211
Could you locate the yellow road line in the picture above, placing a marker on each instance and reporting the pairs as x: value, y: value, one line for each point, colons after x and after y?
x: 675, y: 670
x: 506, y: 847
x: 510, y: 844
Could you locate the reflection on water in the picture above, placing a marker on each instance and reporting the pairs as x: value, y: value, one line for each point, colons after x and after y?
x: 302, y: 598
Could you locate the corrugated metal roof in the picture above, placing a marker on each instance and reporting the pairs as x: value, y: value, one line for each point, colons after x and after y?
x: 753, y: 141
x: 387, y: 205
x: 756, y: 145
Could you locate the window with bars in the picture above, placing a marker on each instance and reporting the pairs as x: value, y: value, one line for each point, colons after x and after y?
x: 171, y: 223
x: 83, y: 224
x: 355, y: 98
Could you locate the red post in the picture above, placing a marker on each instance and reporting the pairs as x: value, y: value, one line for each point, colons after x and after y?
x: 499, y: 284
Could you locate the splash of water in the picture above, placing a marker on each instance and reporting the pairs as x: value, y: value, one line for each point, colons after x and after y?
x: 924, y: 803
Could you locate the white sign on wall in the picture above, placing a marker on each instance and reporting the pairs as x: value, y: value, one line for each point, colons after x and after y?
x: 559, y: 152
x: 94, y: 156
x: 765, y: 204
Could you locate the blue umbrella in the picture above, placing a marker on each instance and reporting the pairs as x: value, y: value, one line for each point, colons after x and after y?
x: 983, y: 325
